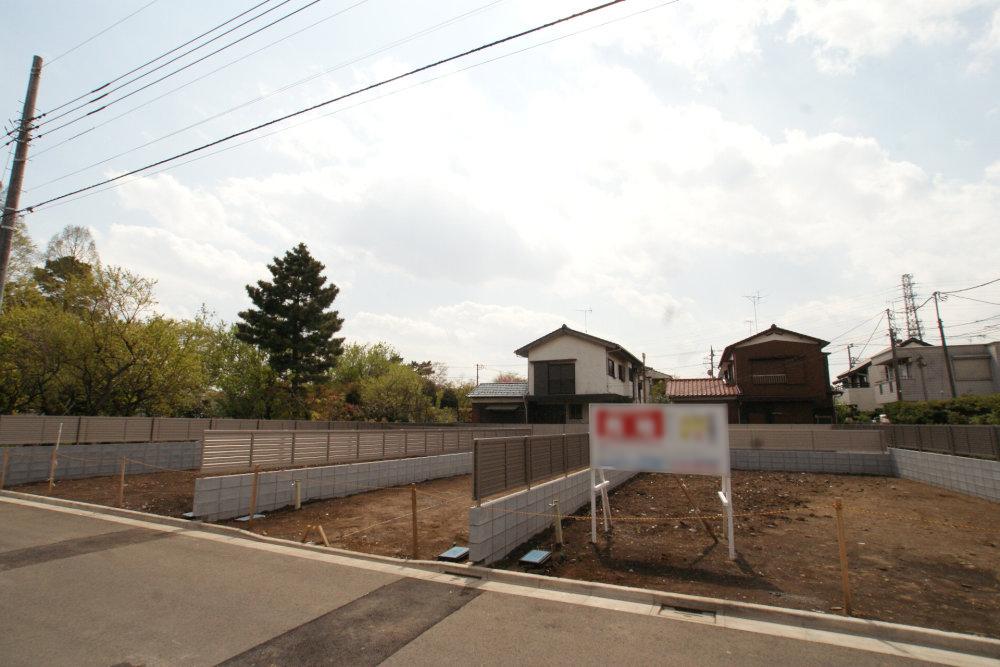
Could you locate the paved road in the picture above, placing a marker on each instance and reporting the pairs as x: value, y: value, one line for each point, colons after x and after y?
x: 91, y: 590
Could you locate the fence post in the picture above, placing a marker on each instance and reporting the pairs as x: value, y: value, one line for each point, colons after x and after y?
x: 152, y: 428
x: 121, y: 483
x: 293, y: 448
x: 951, y: 439
x: 383, y: 444
x: 3, y: 470
x: 425, y: 444
x: 253, y: 496
x: 527, y: 461
x: 328, y: 446
x: 842, y: 542
x: 413, y: 505
x: 475, y: 471
x: 357, y: 444
x: 996, y: 442
x: 250, y: 462
x: 53, y: 461
x: 406, y: 442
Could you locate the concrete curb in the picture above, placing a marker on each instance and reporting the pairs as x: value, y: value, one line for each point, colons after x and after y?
x: 879, y: 630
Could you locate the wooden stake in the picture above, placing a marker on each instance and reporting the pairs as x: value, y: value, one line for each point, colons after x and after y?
x: 297, y: 484
x: 413, y: 505
x: 253, y: 496
x: 322, y: 533
x: 708, y: 528
x: 121, y: 483
x: 3, y: 470
x: 305, y: 535
x: 842, y: 540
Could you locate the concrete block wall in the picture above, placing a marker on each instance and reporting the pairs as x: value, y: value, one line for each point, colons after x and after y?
x: 31, y: 464
x: 495, y: 530
x: 228, y: 496
x: 975, y: 477
x: 854, y: 463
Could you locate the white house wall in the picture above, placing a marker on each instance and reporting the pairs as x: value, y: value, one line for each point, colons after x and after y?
x: 591, y: 366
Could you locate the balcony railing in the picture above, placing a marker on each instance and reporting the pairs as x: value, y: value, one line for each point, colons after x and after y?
x: 769, y: 378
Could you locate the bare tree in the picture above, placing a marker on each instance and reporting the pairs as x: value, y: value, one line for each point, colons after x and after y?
x: 73, y: 241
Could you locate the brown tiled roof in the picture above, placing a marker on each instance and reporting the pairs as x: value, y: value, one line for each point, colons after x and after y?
x: 697, y: 387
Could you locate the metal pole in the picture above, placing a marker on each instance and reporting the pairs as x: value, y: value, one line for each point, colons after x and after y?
x: 413, y: 506
x: 944, y: 347
x: 13, y: 200
x: 558, y: 522
x: 842, y: 542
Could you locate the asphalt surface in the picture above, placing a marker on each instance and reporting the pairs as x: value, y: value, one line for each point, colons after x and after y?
x: 86, y: 590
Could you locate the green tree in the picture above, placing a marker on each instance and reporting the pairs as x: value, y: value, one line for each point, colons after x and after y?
x: 360, y: 361
x: 396, y: 395
x: 291, y: 321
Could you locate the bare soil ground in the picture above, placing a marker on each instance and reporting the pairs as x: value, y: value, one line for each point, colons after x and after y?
x: 918, y: 554
x: 380, y: 522
x: 166, y: 493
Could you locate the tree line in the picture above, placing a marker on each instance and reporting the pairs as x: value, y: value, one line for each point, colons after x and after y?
x: 79, y: 337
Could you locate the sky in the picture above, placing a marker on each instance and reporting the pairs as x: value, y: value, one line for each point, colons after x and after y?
x: 638, y: 172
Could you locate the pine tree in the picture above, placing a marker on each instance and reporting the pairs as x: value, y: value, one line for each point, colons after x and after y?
x: 291, y: 321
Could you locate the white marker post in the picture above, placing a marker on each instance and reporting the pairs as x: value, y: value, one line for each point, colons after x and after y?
x: 678, y: 439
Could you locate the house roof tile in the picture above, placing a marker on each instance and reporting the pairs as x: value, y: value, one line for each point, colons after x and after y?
x: 499, y: 390
x: 698, y: 387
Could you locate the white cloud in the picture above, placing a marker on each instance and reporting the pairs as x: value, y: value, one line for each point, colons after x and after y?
x: 847, y: 31
x: 985, y: 48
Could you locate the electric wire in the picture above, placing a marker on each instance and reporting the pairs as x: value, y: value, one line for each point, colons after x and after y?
x: 333, y: 100
x: 259, y: 98
x: 98, y: 34
x: 861, y: 355
x: 153, y: 60
x: 966, y: 289
x: 969, y: 298
x: 176, y: 71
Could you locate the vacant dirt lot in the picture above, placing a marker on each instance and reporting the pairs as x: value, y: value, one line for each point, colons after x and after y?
x: 167, y: 493
x: 918, y: 554
x: 379, y: 522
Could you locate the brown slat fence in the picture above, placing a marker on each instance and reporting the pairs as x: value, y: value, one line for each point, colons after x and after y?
x: 43, y: 429
x: 243, y: 449
x: 974, y: 441
x: 510, y: 462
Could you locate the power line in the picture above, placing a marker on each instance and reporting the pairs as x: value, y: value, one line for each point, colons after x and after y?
x: 966, y: 289
x: 179, y: 69
x: 969, y: 298
x: 878, y: 324
x: 98, y: 34
x: 856, y: 327
x: 333, y: 100
x: 357, y: 59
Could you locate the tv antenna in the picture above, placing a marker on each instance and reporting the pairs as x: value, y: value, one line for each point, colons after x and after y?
x: 586, y: 311
x: 754, y: 298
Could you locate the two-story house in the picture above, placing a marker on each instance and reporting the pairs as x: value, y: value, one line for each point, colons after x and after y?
x: 923, y: 375
x: 567, y: 371
x: 783, y: 377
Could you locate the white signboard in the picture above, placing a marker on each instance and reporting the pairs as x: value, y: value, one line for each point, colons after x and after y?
x: 682, y: 439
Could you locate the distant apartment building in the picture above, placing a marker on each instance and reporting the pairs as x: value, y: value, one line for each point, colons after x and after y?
x: 567, y: 371
x: 923, y: 375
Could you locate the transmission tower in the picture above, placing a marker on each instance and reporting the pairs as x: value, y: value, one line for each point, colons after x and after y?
x: 913, y: 327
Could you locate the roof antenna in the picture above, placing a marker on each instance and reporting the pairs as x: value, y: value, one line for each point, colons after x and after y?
x: 585, y: 312
x: 755, y: 298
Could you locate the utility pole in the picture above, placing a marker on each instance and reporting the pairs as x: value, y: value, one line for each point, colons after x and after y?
x: 478, y: 366
x: 850, y: 359
x: 645, y: 398
x: 895, y: 360
x: 944, y: 346
x: 13, y: 201
x: 585, y: 312
x: 711, y: 361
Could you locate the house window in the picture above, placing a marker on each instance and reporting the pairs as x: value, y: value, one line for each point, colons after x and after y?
x: 621, y: 372
x: 562, y: 379
x: 904, y: 371
x: 575, y: 411
x: 611, y: 367
x: 631, y: 374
